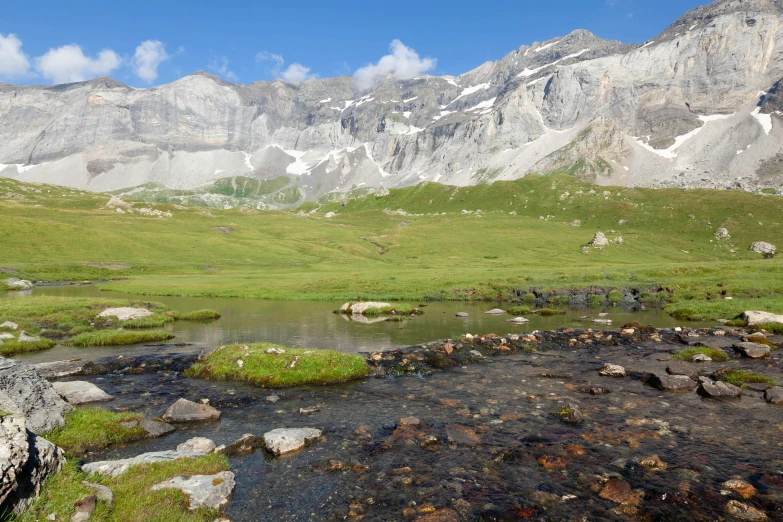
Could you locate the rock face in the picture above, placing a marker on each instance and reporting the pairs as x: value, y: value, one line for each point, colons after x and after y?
x: 187, y: 411
x: 126, y: 314
x: 23, y: 391
x: 205, y: 491
x: 26, y: 461
x: 752, y: 350
x: 114, y: 468
x: 642, y: 115
x: 763, y: 248
x: 282, y: 440
x: 81, y: 392
x: 760, y: 318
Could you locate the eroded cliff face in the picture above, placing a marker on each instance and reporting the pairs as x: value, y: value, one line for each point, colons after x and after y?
x: 699, y: 105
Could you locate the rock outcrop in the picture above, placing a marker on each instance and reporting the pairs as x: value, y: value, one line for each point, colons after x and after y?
x: 23, y: 391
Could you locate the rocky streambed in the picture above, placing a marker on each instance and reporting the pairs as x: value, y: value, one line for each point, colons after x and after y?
x: 527, y: 426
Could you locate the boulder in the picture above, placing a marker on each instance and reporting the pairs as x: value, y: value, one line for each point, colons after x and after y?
x: 760, y: 318
x: 126, y: 313
x: 245, y: 445
x: 571, y: 414
x: 9, y: 325
x: 205, y: 491
x: 496, y: 311
x: 187, y: 411
x: 752, y: 350
x: 156, y: 429
x: 84, y: 508
x: 774, y: 395
x: 24, y: 338
x: 612, y: 370
x: 682, y: 368
x: 722, y: 233
x: 742, y: 511
x: 718, y: 390
x: 599, y: 240
x: 463, y: 314
x: 197, y: 447
x: 60, y: 369
x: 518, y: 320
x: 81, y: 392
x: 671, y: 382
x: 23, y: 391
x: 18, y: 284
x: 360, y: 308
x: 761, y: 247
x: 740, y: 487
x: 288, y: 440
x: 26, y: 461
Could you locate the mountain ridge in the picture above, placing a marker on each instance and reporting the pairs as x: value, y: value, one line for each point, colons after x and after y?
x: 663, y: 113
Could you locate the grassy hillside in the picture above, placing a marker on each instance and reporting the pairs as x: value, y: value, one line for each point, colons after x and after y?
x: 396, y: 247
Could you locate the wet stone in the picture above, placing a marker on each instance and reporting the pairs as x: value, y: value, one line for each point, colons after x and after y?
x: 156, y: 429
x: 459, y: 434
x: 774, y: 395
x: 281, y: 441
x: 187, y: 411
x: 612, y: 370
x: 676, y: 383
x: 745, y: 512
x: 718, y: 389
x: 683, y: 368
x: 752, y: 350
x: 619, y: 491
x: 740, y: 487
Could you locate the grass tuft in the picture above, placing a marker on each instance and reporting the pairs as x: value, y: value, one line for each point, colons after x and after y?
x: 548, y: 312
x: 118, y: 337
x: 13, y: 347
x: 198, y: 315
x: 93, y: 429
x: 743, y: 377
x: 295, y: 367
x: 516, y: 311
x: 151, y: 321
x: 713, y: 353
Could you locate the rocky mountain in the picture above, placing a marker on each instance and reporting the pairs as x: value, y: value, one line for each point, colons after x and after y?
x: 699, y: 105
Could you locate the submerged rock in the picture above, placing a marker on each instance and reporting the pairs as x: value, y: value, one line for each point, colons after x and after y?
x: 288, y: 440
x: 205, y: 491
x: 463, y: 314
x: 742, y: 511
x: 740, y: 487
x: 81, y: 392
x: 459, y: 434
x: 23, y: 391
x: 187, y: 411
x: 496, y: 311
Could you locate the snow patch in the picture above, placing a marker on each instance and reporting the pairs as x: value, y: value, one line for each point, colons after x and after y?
x: 764, y: 119
x: 407, y: 114
x: 469, y: 91
x: 410, y: 99
x: 483, y: 105
x: 530, y: 72
x: 547, y: 46
x: 325, y: 101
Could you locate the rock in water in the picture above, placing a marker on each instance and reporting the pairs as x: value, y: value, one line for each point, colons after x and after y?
x: 496, y: 311
x: 18, y: 284
x: 196, y: 447
x: 761, y: 318
x: 156, y: 429
x: 718, y: 390
x: 246, y: 445
x: 599, y: 240
x: 81, y: 392
x: 126, y: 314
x: 774, y: 395
x: 763, y: 248
x: 752, y: 350
x: 612, y: 370
x: 463, y: 314
x: 682, y: 368
x: 23, y: 391
x: 186, y: 411
x: 360, y: 308
x: 671, y: 382
x: 518, y: 320
x: 284, y: 440
x: 205, y: 491
x: 459, y: 434
x: 742, y: 511
x: 26, y: 461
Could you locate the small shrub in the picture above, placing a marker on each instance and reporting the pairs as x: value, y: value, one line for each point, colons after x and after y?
x: 76, y: 330
x: 712, y: 353
x: 596, y: 300
x: 737, y: 323
x: 118, y: 337
x: 152, y: 321
x: 772, y: 328
x: 529, y: 298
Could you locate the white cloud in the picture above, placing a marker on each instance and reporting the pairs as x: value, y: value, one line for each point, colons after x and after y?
x: 403, y: 62
x: 266, y: 56
x: 294, y: 73
x: 13, y: 62
x: 220, y: 66
x: 68, y: 64
x: 149, y: 55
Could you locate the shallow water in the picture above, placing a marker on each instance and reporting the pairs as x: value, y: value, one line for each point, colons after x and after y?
x: 311, y: 324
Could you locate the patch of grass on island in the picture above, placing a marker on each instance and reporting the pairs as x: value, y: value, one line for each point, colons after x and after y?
x: 151, y: 321
x: 133, y: 495
x: 518, y: 310
x: 198, y: 316
x: 118, y: 337
x: 396, y: 309
x: 93, y: 429
x: 548, y: 312
x: 712, y: 353
x: 743, y: 377
x: 13, y: 346
x: 263, y: 366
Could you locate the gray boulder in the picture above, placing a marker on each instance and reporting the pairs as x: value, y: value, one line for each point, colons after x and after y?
x: 496, y: 311
x: 774, y: 395
x: 26, y: 461
x: 196, y: 447
x: 245, y: 445
x: 683, y: 368
x: 674, y: 383
x: 763, y: 248
x: 81, y: 392
x: 187, y: 411
x: 205, y: 491
x: 156, y: 429
x: 756, y: 318
x: 752, y: 350
x: 718, y: 390
x: 23, y: 391
x: 282, y: 440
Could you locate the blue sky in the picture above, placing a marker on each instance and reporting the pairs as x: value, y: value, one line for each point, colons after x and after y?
x: 145, y: 42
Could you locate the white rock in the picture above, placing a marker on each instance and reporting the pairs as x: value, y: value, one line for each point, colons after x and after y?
x: 276, y: 351
x: 81, y: 392
x: 762, y: 247
x: 18, y: 284
x: 205, y: 491
x: 330, y: 214
x: 114, y: 468
x: 360, y: 308
x: 759, y: 318
x: 518, y: 320
x: 599, y: 240
x: 5, y: 336
x: 126, y: 314
x: 24, y: 338
x: 283, y: 440
x: 612, y: 370
x: 495, y: 311
x: 10, y: 325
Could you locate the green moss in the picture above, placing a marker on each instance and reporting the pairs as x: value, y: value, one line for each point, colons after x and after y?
x: 615, y: 296
x: 596, y: 300
x: 263, y: 367
x: 93, y: 429
x: 516, y: 311
x: 118, y: 337
x: 13, y: 347
x: 773, y: 328
x: 743, y: 377
x: 548, y: 312
x: 560, y: 299
x: 198, y: 315
x: 529, y: 298
x: 713, y: 353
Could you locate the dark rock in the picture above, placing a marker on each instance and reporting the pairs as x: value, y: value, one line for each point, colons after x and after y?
x: 459, y: 434
x: 156, y: 429
x: 774, y: 395
x: 752, y: 350
x: 683, y: 368
x: 718, y: 389
x: 245, y: 445
x: 595, y: 390
x: 671, y: 382
x: 187, y: 411
x: 84, y: 508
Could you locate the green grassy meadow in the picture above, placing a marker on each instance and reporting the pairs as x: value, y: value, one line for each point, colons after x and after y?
x: 397, y: 248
